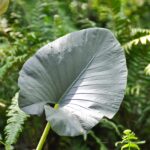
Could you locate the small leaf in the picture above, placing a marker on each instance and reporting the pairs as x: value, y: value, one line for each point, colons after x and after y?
x: 127, y: 131
x: 135, y: 146
x: 124, y: 146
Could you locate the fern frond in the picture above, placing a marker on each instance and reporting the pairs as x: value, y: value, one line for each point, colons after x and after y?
x: 116, y: 6
x: 143, y: 40
x: 2, y: 103
x: 15, y: 122
x: 133, y: 90
x: 137, y: 93
x: 10, y: 63
x: 140, y: 30
x: 120, y: 23
x: 147, y: 70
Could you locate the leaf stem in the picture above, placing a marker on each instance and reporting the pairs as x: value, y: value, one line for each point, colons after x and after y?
x: 45, y: 133
x: 2, y: 143
x: 44, y: 136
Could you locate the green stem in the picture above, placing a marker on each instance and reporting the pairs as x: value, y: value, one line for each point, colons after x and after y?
x: 44, y: 136
x: 45, y: 133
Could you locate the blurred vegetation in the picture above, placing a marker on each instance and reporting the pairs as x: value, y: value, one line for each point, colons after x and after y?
x: 29, y: 24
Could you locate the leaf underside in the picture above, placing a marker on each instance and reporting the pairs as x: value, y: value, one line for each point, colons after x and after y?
x: 84, y: 72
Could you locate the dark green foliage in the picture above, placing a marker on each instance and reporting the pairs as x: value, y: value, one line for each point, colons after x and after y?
x: 30, y: 24
x: 77, y: 145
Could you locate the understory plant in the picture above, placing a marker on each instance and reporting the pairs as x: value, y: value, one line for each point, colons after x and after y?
x: 129, y: 141
x: 82, y: 74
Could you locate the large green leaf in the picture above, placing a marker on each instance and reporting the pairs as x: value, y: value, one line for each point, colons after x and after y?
x: 84, y: 72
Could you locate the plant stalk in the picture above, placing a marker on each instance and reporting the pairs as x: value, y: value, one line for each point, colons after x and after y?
x: 45, y: 133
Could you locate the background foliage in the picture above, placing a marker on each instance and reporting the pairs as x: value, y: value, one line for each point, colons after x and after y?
x: 30, y: 24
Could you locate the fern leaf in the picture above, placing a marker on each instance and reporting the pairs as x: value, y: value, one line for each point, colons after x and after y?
x: 137, y: 95
x: 116, y: 6
x: 10, y: 63
x: 139, y: 30
x: 15, y: 121
x: 133, y: 90
x: 120, y: 23
x: 147, y: 69
x: 141, y: 40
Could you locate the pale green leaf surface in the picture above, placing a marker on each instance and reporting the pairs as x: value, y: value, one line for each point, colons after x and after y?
x: 84, y: 72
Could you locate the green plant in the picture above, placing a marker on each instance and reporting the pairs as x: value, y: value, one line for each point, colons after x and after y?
x: 129, y: 141
x: 16, y: 118
x: 92, y: 90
